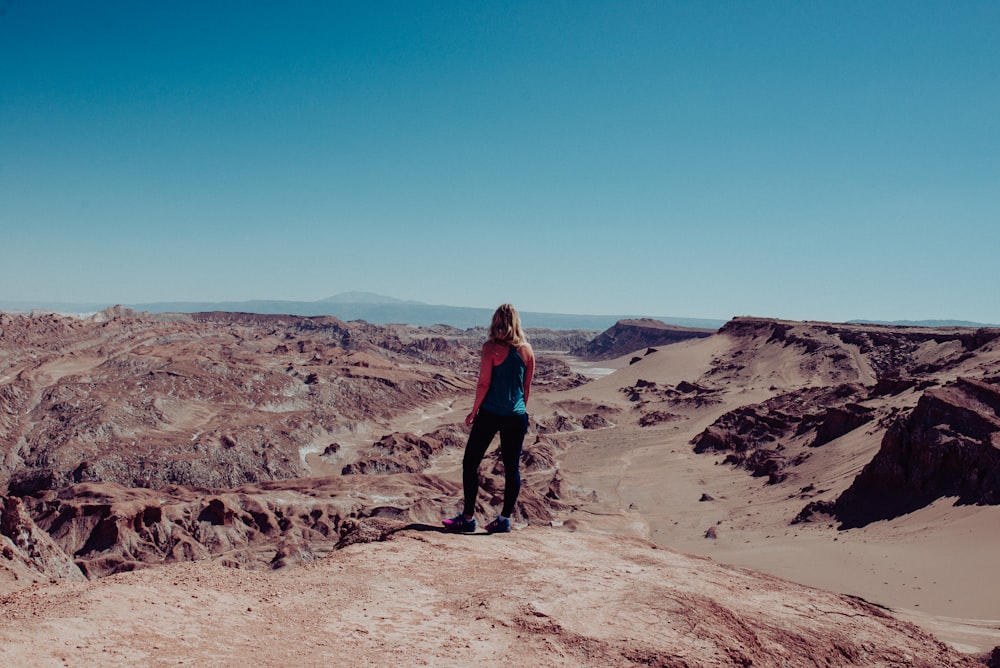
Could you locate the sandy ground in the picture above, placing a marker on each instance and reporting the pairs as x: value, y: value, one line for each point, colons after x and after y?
x: 936, y: 566
x: 936, y: 562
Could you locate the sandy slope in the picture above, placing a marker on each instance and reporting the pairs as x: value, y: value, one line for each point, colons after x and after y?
x: 935, y: 566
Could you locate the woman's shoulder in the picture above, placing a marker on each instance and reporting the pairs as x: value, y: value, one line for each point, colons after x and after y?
x: 492, y: 348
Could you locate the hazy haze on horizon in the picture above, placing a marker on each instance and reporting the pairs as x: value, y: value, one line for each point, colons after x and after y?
x: 824, y: 161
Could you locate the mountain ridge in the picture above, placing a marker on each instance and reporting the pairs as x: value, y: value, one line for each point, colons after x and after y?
x: 370, y: 307
x: 381, y: 309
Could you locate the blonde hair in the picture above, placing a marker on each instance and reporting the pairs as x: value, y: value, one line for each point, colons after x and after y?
x: 506, y: 326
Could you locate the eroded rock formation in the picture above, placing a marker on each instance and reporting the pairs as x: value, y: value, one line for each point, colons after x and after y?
x: 767, y: 438
x: 627, y: 336
x: 212, y: 399
x: 948, y: 446
x: 27, y: 552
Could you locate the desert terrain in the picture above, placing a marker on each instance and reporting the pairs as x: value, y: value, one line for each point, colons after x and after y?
x: 218, y: 488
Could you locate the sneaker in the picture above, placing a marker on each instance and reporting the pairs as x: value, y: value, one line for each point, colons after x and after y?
x: 500, y: 525
x: 460, y: 524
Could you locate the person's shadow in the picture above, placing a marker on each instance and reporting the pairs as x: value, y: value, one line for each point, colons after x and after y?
x: 418, y: 526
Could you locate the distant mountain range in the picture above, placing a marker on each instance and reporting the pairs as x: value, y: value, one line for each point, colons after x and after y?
x: 922, y: 323
x: 381, y: 310
x: 376, y: 309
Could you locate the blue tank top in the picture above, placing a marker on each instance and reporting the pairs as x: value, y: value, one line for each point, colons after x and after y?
x: 506, y: 393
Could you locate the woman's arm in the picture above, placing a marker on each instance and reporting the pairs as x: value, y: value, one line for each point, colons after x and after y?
x: 483, y: 384
x: 528, y: 355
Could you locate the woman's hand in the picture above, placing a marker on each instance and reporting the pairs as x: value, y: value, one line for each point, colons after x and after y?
x: 469, y: 418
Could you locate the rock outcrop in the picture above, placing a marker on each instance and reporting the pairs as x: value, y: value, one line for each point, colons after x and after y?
x: 559, y: 597
x: 851, y: 352
x: 685, y: 393
x: 405, y: 452
x: 100, y: 529
x: 936, y: 441
x: 768, y: 438
x: 27, y: 553
x: 627, y: 336
x: 948, y: 446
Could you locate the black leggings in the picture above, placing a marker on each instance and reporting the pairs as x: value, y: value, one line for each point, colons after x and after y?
x: 512, y: 429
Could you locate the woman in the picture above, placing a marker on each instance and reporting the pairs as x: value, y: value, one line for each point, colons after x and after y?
x: 505, y: 373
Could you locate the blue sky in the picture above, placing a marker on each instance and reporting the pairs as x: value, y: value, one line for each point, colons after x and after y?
x: 803, y: 160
